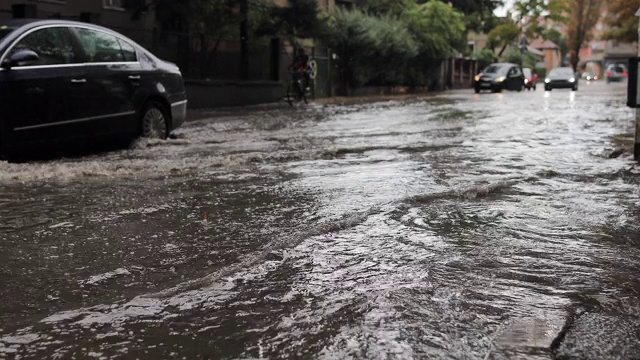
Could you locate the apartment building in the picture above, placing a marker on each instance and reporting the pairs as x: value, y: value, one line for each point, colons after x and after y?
x: 110, y: 13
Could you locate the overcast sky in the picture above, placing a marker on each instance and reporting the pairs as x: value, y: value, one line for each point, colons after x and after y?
x: 502, y: 11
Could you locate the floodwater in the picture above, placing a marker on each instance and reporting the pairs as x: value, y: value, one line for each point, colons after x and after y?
x: 459, y: 226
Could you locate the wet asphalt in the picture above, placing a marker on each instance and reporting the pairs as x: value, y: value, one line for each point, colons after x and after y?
x: 456, y: 226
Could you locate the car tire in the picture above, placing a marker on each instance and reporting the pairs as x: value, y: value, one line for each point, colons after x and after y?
x: 575, y: 88
x: 477, y: 90
x: 154, y: 121
x: 547, y: 88
x: 534, y: 88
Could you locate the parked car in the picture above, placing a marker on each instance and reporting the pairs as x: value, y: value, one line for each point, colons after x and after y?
x: 561, y: 78
x: 63, y: 81
x: 498, y: 77
x: 530, y: 78
x: 615, y: 72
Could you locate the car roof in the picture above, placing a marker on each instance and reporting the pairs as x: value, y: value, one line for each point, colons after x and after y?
x: 16, y: 23
x: 503, y: 64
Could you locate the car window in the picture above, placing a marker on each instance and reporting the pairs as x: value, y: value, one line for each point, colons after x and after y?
x: 128, y: 51
x: 493, y: 69
x: 53, y: 46
x: 100, y: 47
x: 561, y: 72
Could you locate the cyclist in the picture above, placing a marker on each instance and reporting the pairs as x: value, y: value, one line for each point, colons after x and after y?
x: 300, y: 67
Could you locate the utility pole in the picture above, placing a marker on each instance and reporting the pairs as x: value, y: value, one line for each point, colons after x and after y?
x: 244, y: 40
x: 636, y: 143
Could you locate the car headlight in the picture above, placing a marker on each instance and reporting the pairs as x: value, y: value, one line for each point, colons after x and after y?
x: 477, y: 78
x: 547, y: 80
x: 500, y: 79
x: 572, y: 80
x: 526, y: 81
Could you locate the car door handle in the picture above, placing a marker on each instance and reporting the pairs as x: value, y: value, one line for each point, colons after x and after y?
x: 134, y: 77
x: 78, y: 81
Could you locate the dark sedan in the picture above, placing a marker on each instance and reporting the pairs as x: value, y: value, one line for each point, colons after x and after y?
x: 498, y: 77
x: 62, y: 81
x: 561, y: 78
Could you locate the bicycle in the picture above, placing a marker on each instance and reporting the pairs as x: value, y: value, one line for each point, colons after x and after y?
x: 299, y: 89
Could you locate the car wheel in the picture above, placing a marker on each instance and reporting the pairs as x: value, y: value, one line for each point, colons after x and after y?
x: 477, y: 90
x: 534, y: 88
x: 155, y: 123
x: 575, y: 88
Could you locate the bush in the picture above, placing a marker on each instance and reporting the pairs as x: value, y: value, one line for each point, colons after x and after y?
x: 371, y: 49
x: 541, y: 72
x: 485, y: 58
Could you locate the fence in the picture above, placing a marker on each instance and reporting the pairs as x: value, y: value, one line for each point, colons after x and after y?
x: 460, y: 72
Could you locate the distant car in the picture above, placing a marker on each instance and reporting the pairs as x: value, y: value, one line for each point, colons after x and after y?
x: 615, y: 72
x: 63, y: 81
x: 530, y: 78
x: 589, y: 76
x: 561, y: 78
x: 498, y: 77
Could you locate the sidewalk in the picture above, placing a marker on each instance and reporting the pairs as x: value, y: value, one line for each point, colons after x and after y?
x: 199, y: 114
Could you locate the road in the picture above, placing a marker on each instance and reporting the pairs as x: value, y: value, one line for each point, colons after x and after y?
x: 458, y: 226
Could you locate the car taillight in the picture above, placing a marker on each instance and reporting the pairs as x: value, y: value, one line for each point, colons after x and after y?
x: 608, y: 72
x: 624, y: 73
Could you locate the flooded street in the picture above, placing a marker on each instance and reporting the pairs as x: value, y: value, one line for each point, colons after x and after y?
x: 459, y: 226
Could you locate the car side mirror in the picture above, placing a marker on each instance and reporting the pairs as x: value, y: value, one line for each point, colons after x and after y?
x: 22, y: 56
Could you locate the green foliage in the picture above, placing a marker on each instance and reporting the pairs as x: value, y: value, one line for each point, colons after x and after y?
x: 438, y: 29
x: 485, y: 58
x: 385, y: 7
x: 541, y: 72
x: 503, y: 36
x: 300, y: 19
x: 621, y: 19
x: 558, y: 39
x: 515, y: 57
x: 370, y: 48
x: 468, y: 7
x: 531, y: 15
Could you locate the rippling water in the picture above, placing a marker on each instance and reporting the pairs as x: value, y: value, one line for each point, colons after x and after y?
x: 461, y: 226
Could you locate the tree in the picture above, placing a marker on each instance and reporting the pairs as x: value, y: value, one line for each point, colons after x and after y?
x: 300, y: 19
x: 531, y: 15
x: 370, y: 49
x: 557, y: 38
x: 385, y: 7
x: 439, y: 31
x: 468, y: 7
x: 580, y: 23
x: 621, y: 19
x: 503, y: 36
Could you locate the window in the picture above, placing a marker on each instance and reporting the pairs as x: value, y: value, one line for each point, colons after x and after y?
x: 113, y: 4
x: 128, y: 51
x: 100, y: 47
x: 53, y: 46
x: 471, y: 45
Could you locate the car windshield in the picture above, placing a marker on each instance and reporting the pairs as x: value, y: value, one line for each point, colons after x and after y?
x: 561, y: 72
x: 494, y: 69
x: 4, y: 31
x: 527, y: 72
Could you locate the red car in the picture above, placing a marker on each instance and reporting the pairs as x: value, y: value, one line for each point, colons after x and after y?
x: 530, y: 78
